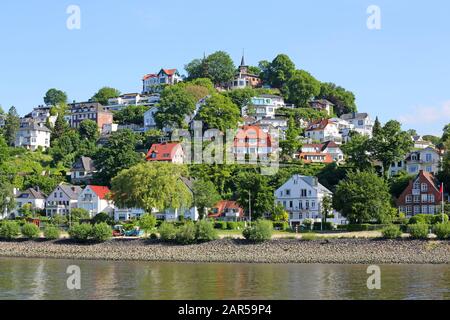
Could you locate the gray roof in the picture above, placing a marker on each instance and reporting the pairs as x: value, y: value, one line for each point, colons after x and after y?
x: 314, y: 182
x: 72, y: 191
x: 354, y: 116
x: 34, y: 126
x: 31, y: 194
x: 84, y: 164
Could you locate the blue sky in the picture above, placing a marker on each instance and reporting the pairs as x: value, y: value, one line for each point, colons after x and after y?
x: 399, y: 72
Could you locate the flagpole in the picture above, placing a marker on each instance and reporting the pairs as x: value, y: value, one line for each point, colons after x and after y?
x: 442, y: 196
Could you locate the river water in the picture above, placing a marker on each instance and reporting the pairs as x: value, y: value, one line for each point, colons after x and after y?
x: 47, y: 279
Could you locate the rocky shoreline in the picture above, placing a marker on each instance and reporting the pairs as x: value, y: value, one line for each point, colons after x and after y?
x: 333, y: 251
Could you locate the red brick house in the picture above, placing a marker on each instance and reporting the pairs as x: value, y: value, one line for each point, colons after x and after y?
x: 422, y: 196
x: 167, y: 152
x: 89, y: 111
x: 227, y: 211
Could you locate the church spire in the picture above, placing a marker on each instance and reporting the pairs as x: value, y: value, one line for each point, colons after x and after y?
x: 243, y: 59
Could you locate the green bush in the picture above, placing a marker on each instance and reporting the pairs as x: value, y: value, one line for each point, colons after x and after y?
x: 186, y: 234
x: 260, y: 231
x: 154, y: 236
x: 102, y: 217
x: 9, y: 230
x: 205, y: 231
x: 80, y: 232
x: 221, y: 225
x: 147, y: 222
x: 30, y: 231
x: 281, y: 225
x: 392, y: 232
x: 438, y: 218
x: 428, y: 218
x: 419, y: 231
x: 101, y: 232
x: 442, y: 230
x: 167, y: 231
x: 232, y: 225
x: 325, y: 226
x: 51, y: 232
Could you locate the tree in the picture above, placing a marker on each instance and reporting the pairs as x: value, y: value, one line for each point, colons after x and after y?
x: 4, y: 150
x: 356, y: 151
x: 104, y: 94
x: 221, y: 68
x: 196, y: 69
x: 66, y: 148
x: 446, y: 134
x: 151, y: 185
x: 444, y: 175
x: 241, y: 97
x: 255, y: 187
x: 7, y: 201
x: 389, y: 145
x: 292, y: 143
x: 433, y: 139
x: 89, y: 130
x: 131, y: 115
x: 61, y: 126
x: 376, y: 127
x: 205, y: 196
x: 78, y: 214
x: 363, y: 197
x: 147, y: 222
x: 11, y: 126
x: 280, y: 70
x: 220, y: 113
x: 118, y: 154
x: 327, y: 207
x: 399, y: 182
x: 55, y: 97
x: 301, y: 88
x: 176, y: 104
x: 280, y: 214
x: 343, y: 100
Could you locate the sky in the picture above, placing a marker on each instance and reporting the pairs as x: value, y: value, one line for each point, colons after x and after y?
x: 400, y: 71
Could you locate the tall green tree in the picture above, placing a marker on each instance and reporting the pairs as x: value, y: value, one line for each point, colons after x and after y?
x: 7, y: 201
x: 301, y: 88
x: 104, y: 94
x: 364, y: 197
x: 176, y: 104
x: 151, y: 185
x: 55, y: 97
x: 219, y: 112
x: 4, y: 150
x: 60, y: 128
x: 391, y: 144
x: 343, y: 100
x: 118, y: 154
x: 241, y: 97
x: 327, y: 208
x: 89, y: 130
x: 280, y: 70
x: 131, y: 115
x: 205, y: 196
x: 292, y: 143
x: 356, y: 151
x: 221, y: 68
x: 11, y: 126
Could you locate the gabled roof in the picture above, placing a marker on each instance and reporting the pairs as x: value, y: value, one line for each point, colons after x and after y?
x: 34, y: 127
x: 84, y: 164
x: 224, y: 205
x: 100, y: 191
x: 252, y: 132
x: 148, y: 76
x: 163, y: 151
x: 169, y: 72
x: 70, y: 190
x: 319, y: 125
x: 354, y: 115
x: 31, y: 194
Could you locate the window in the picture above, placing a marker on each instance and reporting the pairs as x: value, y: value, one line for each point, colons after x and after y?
x: 288, y: 192
x: 416, y: 209
x: 431, y: 210
x: 291, y: 204
x: 417, y: 185
x: 431, y: 198
x: 424, y: 209
x: 424, y: 198
x: 408, y: 198
x: 408, y: 210
x: 417, y: 199
x: 424, y: 187
x: 307, y: 205
x: 429, y: 169
x: 313, y: 204
x: 303, y: 192
x: 428, y: 157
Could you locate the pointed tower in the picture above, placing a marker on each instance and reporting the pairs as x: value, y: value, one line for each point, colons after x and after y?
x: 243, y: 68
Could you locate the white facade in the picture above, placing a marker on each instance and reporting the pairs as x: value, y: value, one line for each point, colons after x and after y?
x: 62, y: 200
x: 154, y: 82
x: 361, y: 122
x: 324, y: 131
x: 427, y: 160
x: 94, y: 203
x: 172, y: 215
x: 149, y: 118
x: 32, y: 136
x: 128, y: 214
x: 31, y: 197
x: 132, y: 99
x: 264, y: 106
x: 302, y: 198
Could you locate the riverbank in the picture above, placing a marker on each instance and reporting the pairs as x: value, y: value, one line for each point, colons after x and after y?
x: 333, y: 251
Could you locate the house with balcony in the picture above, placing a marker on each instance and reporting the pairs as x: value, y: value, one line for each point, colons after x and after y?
x: 62, y: 200
x: 327, y: 152
x: 361, y: 122
x: 263, y: 107
x: 227, y: 210
x: 252, y: 142
x: 322, y: 105
x: 33, y: 136
x: 33, y: 197
x: 302, y: 197
x: 421, y: 196
x: 244, y: 78
x: 154, y: 83
x: 132, y: 99
x: 172, y: 152
x: 323, y: 130
x: 427, y: 160
x: 94, y: 199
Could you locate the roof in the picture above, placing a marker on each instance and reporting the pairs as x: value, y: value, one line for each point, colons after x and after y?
x: 100, y: 191
x: 35, y: 127
x: 354, y: 115
x: 31, y: 194
x: 224, y: 205
x: 148, y: 76
x: 163, y: 151
x: 310, y: 180
x: 322, y: 101
x: 169, y: 72
x: 319, y: 125
x: 84, y: 164
x: 70, y: 190
x: 305, y: 155
x: 252, y: 132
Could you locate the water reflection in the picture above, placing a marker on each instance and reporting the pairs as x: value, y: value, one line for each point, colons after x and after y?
x: 46, y: 279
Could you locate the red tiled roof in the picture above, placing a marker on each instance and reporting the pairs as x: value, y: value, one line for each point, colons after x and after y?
x: 148, y: 76
x: 305, y: 155
x: 224, y: 205
x: 252, y: 132
x: 169, y: 72
x: 319, y: 125
x: 100, y: 191
x: 163, y: 151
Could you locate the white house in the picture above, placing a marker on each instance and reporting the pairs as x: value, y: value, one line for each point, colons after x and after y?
x: 31, y: 196
x: 94, y: 200
x: 427, y: 160
x: 324, y: 130
x: 264, y: 106
x: 302, y: 198
x: 82, y: 170
x: 62, y: 200
x: 155, y: 82
x: 322, y: 105
x: 132, y: 99
x: 32, y: 136
x: 167, y: 152
x: 127, y: 214
x: 149, y: 118
x: 362, y: 123
x: 420, y: 143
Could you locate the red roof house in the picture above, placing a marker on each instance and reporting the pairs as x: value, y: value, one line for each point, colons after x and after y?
x: 227, y: 210
x: 167, y: 152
